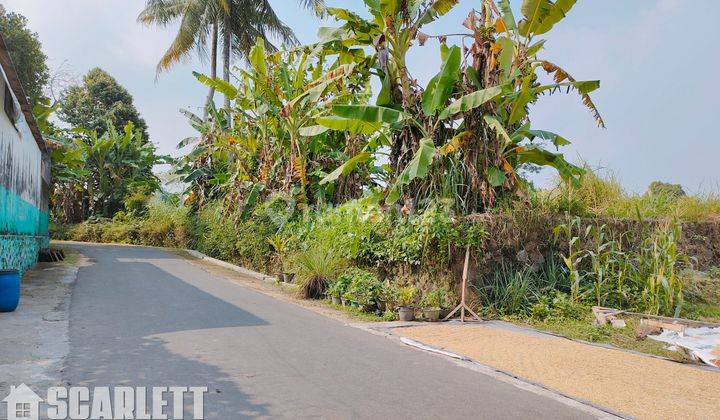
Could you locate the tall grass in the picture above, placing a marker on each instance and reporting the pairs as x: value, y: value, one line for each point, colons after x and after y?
x: 599, y: 195
x: 315, y: 268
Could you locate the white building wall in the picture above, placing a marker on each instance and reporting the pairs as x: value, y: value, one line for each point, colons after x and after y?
x: 20, y: 156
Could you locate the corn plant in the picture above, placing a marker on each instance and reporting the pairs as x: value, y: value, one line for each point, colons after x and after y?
x: 660, y: 261
x: 571, y: 232
x: 603, y: 258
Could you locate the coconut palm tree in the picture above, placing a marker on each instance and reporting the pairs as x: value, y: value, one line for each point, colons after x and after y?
x: 239, y: 22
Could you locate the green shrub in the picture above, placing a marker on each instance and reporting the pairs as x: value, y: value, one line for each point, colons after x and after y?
x: 420, y: 239
x: 339, y: 287
x: 407, y: 296
x: 558, y: 305
x: 214, y: 232
x: 437, y: 298
x: 364, y: 287
x: 60, y: 231
x: 122, y: 233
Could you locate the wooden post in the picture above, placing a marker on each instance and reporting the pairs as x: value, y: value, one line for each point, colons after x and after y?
x: 463, y: 306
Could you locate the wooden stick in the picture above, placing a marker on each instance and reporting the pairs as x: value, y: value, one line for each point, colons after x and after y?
x: 462, y: 307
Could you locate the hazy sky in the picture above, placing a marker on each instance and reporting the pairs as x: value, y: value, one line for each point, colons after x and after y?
x: 657, y: 60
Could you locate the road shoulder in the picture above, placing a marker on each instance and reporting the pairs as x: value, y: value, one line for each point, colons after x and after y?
x: 34, y: 338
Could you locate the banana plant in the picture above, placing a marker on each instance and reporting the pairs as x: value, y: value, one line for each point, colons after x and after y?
x: 472, y: 117
x: 279, y: 134
x: 93, y: 175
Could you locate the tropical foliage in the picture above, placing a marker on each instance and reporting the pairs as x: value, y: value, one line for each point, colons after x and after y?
x: 264, y: 143
x: 102, y: 175
x: 467, y: 133
x: 237, y: 22
x: 301, y: 120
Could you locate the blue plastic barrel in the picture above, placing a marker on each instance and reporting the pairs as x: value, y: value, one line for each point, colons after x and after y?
x: 9, y: 290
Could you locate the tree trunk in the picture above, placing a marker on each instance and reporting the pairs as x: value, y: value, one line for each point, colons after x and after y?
x: 226, y: 53
x: 213, y: 69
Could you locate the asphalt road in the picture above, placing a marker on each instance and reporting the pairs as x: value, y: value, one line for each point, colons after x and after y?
x: 145, y: 317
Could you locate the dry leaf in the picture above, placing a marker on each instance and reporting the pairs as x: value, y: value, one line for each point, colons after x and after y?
x: 500, y: 25
x: 422, y: 38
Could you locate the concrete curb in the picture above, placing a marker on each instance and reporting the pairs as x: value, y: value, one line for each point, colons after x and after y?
x: 236, y: 268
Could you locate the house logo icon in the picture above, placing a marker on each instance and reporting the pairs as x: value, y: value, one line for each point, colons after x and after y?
x: 22, y: 403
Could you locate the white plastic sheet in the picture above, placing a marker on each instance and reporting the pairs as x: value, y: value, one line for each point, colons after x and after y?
x: 701, y: 343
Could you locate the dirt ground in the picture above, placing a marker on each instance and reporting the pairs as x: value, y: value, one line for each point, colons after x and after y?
x: 634, y: 385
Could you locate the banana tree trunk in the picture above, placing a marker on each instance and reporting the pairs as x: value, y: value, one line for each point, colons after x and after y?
x: 213, y: 69
x: 227, y: 37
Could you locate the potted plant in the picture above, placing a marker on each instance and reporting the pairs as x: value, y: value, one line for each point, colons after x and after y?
x: 406, y: 302
x: 389, y: 297
x: 363, y: 289
x: 431, y: 304
x: 340, y: 288
x: 280, y: 245
x: 335, y: 292
x: 449, y: 303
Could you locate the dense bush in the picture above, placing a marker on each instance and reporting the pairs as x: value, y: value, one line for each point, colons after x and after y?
x: 163, y: 224
x: 521, y: 266
x: 362, y: 286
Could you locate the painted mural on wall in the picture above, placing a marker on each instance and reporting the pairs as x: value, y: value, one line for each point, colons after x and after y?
x: 20, y: 252
x: 23, y: 207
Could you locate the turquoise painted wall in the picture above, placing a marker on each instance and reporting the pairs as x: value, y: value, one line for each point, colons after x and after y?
x: 19, y: 217
x: 23, y: 231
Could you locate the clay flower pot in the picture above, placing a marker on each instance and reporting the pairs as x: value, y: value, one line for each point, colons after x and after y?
x: 406, y: 313
x: 431, y: 314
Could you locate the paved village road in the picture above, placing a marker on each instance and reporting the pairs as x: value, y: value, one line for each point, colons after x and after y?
x: 145, y: 317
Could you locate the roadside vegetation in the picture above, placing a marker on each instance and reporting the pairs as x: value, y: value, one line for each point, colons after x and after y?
x: 370, y: 201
